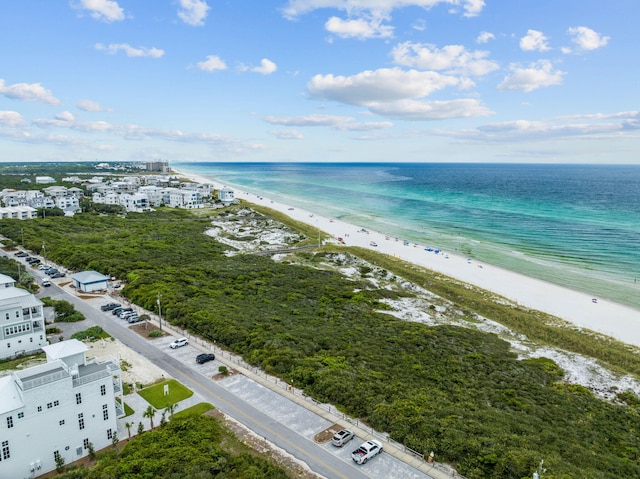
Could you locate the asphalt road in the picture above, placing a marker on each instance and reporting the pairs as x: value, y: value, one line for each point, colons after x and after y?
x: 315, y: 456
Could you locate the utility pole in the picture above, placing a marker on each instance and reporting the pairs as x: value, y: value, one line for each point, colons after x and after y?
x: 159, y: 311
x: 22, y: 231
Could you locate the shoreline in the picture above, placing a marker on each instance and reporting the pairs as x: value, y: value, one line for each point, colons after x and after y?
x: 600, y: 315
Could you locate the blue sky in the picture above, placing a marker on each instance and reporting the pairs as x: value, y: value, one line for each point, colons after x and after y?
x: 320, y: 80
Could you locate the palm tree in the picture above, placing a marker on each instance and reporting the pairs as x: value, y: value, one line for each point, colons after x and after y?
x: 171, y: 408
x: 128, y: 425
x: 150, y: 412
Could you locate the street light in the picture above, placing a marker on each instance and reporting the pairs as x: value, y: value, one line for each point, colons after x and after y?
x: 159, y: 311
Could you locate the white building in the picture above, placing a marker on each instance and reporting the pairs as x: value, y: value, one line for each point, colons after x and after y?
x: 57, y: 409
x: 226, y: 195
x: 88, y: 281
x: 18, y: 212
x: 22, y: 320
x: 185, y: 198
x: 43, y: 180
x: 135, y: 202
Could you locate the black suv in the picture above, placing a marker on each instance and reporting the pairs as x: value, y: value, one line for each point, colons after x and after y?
x: 204, y: 358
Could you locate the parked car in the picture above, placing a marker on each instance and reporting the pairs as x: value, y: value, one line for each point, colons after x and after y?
x: 31, y: 259
x: 109, y: 306
x: 204, y: 358
x: 366, y: 451
x: 340, y: 438
x: 35, y: 262
x: 116, y: 311
x: 46, y: 283
x: 178, y: 343
x: 134, y: 318
x: 59, y: 274
x: 22, y: 254
x: 43, y: 267
x: 127, y: 314
x: 51, y: 271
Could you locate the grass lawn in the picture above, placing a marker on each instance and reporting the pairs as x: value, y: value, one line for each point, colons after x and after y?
x: 195, y: 410
x: 155, y: 394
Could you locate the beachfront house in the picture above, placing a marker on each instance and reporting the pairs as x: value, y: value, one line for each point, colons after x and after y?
x: 55, y: 412
x: 22, y: 320
x: 18, y: 212
x: 88, y: 281
x: 226, y: 195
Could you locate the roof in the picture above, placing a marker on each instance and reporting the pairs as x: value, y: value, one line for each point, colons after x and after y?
x: 18, y: 295
x: 6, y: 279
x: 64, y: 349
x: 87, y: 277
x: 10, y: 398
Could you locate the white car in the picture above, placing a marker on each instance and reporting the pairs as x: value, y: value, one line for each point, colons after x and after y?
x: 366, y: 451
x: 178, y: 343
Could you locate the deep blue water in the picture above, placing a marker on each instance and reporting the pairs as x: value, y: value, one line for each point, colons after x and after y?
x: 575, y: 225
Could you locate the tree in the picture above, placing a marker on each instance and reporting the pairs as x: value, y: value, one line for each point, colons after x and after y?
x: 128, y: 425
x: 170, y: 409
x: 140, y: 428
x: 150, y: 412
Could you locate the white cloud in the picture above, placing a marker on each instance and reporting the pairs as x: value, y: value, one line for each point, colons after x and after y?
x: 359, y: 28
x: 309, y: 120
x: 383, y: 85
x: 484, y: 37
x: 534, y: 41
x: 104, y: 10
x: 430, y: 110
x: 65, y: 116
x: 287, y: 134
x: 212, y: 63
x: 130, y: 51
x: 193, y: 12
x: 11, y: 118
x: 88, y: 105
x: 537, y: 75
x: 296, y: 8
x: 28, y: 92
x: 267, y: 67
x: 586, y: 38
x: 451, y: 58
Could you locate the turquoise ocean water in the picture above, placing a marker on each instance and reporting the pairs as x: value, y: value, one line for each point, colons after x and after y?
x: 574, y: 225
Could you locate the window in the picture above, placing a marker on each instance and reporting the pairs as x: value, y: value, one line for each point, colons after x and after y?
x: 103, y: 390
x: 20, y: 415
x: 17, y: 314
x: 105, y: 412
x: 49, y: 405
x: 6, y: 316
x: 39, y: 408
x: 85, y: 443
x: 61, y: 422
x: 56, y: 455
x: 6, y: 454
x: 56, y: 403
x: 78, y: 398
x: 109, y: 434
x: 81, y: 421
x: 9, y: 422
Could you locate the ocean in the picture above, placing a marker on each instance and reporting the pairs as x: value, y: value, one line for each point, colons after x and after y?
x: 573, y: 225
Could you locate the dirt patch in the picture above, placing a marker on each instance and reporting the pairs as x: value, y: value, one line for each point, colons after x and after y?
x: 327, y: 434
x: 144, y: 328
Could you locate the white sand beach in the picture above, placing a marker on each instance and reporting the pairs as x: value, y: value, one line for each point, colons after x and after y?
x: 585, y: 311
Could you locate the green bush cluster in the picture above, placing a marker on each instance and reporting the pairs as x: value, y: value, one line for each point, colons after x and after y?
x: 452, y: 390
x: 65, y: 311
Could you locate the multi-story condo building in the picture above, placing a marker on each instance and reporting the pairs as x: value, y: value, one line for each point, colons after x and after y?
x: 54, y: 413
x: 22, y: 328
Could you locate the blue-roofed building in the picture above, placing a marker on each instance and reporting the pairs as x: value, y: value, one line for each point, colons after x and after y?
x: 89, y: 281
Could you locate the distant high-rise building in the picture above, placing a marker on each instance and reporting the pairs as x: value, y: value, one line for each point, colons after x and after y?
x: 158, y: 166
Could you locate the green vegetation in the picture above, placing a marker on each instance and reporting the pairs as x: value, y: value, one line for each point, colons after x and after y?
x: 155, y: 394
x: 195, y: 410
x: 65, y: 311
x: 12, y: 364
x: 188, y: 447
x: 17, y: 271
x: 93, y: 333
x: 156, y: 333
x: 452, y: 390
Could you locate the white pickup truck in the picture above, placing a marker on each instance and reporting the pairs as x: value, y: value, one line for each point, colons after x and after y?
x: 366, y: 451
